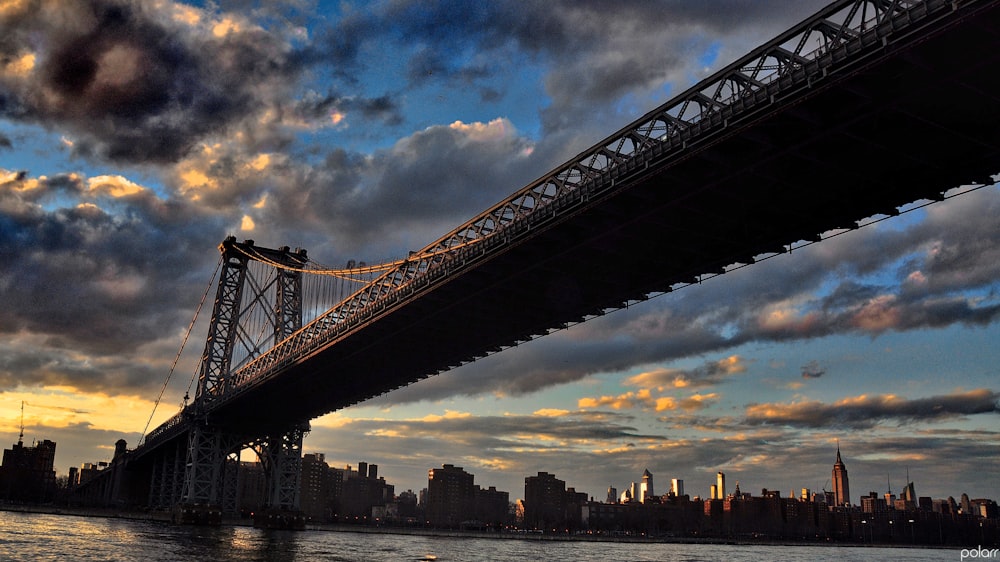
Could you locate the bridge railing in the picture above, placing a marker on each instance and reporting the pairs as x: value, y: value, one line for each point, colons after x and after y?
x: 770, y: 73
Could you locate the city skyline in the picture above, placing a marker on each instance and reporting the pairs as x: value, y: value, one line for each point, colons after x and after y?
x: 134, y: 140
x: 717, y: 490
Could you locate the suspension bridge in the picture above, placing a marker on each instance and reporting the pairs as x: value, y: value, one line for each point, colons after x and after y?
x: 863, y: 108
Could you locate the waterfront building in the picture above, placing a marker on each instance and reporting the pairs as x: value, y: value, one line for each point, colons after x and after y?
x: 492, y: 507
x: 27, y: 474
x: 841, y: 487
x: 451, y: 496
x: 315, y: 488
x: 720, y: 486
x: 544, y: 501
x: 363, y: 493
x: 407, y: 508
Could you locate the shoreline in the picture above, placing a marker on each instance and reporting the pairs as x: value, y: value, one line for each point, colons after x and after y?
x: 164, y: 517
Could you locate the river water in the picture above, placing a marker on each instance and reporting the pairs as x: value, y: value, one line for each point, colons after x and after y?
x: 40, y: 537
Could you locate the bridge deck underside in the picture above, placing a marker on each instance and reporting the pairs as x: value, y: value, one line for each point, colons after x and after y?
x: 912, y: 127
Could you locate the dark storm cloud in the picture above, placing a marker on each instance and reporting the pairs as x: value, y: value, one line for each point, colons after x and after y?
x: 868, y: 411
x: 401, y: 198
x: 493, y: 431
x: 5, y: 141
x: 317, y: 109
x: 134, y: 85
x: 49, y: 364
x: 93, y: 285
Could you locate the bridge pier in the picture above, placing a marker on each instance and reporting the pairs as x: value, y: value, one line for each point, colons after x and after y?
x: 208, y: 449
x: 167, y: 479
x: 198, y: 478
x: 281, y: 455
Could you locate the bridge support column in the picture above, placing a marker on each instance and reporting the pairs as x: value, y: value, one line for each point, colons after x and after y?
x: 204, y: 475
x: 231, y: 484
x: 166, y: 485
x: 281, y: 455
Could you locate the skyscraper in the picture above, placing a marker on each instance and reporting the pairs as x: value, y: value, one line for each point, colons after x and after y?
x: 677, y: 487
x: 720, y: 486
x: 646, y: 488
x: 841, y: 489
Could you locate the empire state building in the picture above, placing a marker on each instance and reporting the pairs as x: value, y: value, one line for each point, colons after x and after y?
x: 841, y: 488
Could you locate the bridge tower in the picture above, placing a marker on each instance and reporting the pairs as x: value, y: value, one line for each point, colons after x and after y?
x: 210, y: 469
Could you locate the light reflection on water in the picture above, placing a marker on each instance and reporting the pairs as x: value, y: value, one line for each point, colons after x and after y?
x: 42, y: 537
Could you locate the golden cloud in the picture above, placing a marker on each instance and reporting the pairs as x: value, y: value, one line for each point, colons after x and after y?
x: 705, y: 375
x: 115, y: 186
x: 226, y: 26
x: 20, y: 67
x: 550, y: 412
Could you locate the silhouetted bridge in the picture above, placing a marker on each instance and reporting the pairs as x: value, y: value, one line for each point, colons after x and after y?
x: 862, y: 108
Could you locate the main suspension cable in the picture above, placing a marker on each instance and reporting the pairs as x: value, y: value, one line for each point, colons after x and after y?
x: 177, y: 358
x: 346, y: 273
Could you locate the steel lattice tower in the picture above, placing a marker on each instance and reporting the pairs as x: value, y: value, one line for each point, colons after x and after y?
x: 211, y: 466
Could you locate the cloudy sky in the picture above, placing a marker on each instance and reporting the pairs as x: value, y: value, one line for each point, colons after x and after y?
x: 135, y: 136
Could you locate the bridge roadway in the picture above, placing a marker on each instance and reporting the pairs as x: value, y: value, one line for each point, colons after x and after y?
x: 899, y: 124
